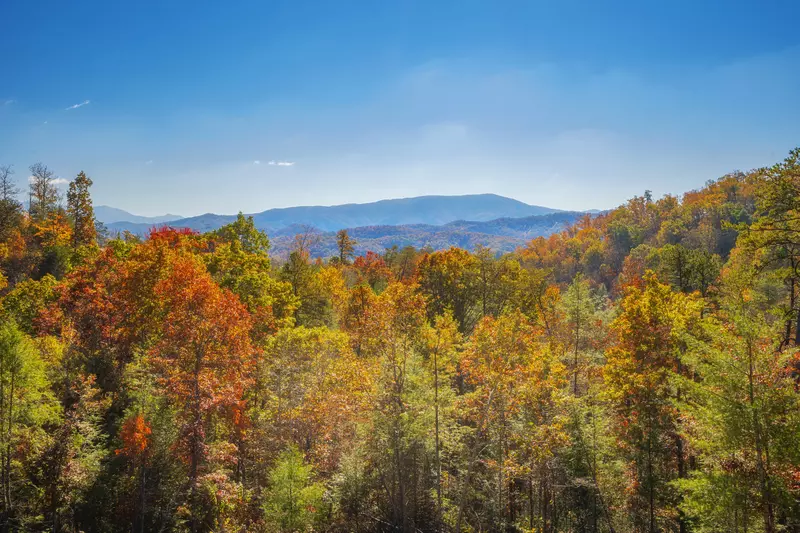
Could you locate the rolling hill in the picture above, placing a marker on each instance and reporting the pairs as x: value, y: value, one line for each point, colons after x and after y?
x: 501, y: 235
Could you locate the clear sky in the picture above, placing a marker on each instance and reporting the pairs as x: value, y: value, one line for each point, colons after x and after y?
x: 180, y: 106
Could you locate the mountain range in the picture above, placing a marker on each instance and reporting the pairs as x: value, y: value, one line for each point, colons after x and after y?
x: 502, y: 235
x: 419, y: 210
x: 111, y: 215
x: 437, y: 222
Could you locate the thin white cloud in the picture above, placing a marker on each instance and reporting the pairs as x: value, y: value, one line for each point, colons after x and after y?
x: 9, y: 101
x: 281, y: 163
x: 148, y: 162
x: 54, y: 181
x: 256, y: 162
x: 76, y: 106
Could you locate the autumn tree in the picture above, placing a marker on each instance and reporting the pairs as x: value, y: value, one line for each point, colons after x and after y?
x: 448, y: 279
x: 135, y: 436
x: 345, y: 245
x: 372, y: 269
x: 80, y: 211
x: 204, y: 356
x: 72, y: 462
x: 514, y: 383
x: 580, y: 316
x: 44, y: 193
x: 641, y: 362
x: 495, y: 281
x: 310, y: 388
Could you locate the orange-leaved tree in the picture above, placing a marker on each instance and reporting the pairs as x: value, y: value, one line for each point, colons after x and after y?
x: 204, y: 357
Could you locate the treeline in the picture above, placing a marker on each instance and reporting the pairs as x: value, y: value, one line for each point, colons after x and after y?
x: 637, y: 372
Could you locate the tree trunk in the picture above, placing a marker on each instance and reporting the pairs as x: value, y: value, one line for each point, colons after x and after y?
x: 763, y: 480
x: 195, y: 441
x: 438, y: 457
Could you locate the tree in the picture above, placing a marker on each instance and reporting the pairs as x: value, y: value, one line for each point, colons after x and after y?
x: 44, y: 193
x: 775, y: 233
x: 579, y: 313
x: 441, y: 342
x: 372, y: 269
x: 81, y: 212
x: 512, y: 406
x: 10, y: 206
x: 28, y: 300
x: 135, y: 436
x: 239, y: 261
x: 645, y: 354
x: 204, y: 356
x: 346, y: 246
x: 448, y: 279
x: 293, y: 501
x: 495, y: 282
x: 742, y: 414
x: 310, y: 387
x: 26, y: 406
x: 72, y: 462
x: 243, y: 231
x: 314, y: 307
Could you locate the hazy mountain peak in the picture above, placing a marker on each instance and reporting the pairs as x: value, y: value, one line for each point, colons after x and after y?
x: 110, y: 215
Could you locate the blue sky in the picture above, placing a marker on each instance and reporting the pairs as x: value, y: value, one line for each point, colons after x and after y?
x: 567, y: 104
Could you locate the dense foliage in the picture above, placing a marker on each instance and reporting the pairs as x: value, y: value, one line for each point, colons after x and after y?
x: 636, y: 372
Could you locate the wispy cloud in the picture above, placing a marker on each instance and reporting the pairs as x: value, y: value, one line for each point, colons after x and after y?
x: 256, y: 162
x: 76, y: 106
x: 53, y: 181
x: 281, y: 163
x: 9, y: 101
x: 148, y: 162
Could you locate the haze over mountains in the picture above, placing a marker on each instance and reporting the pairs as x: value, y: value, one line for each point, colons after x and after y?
x: 435, y: 221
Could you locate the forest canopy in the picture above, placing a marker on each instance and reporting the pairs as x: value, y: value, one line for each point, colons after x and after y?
x: 635, y: 372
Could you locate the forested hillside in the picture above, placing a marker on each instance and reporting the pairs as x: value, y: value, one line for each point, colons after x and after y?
x: 635, y: 372
x: 503, y: 235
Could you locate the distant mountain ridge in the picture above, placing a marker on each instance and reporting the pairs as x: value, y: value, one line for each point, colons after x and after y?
x: 500, y: 223
x: 501, y: 235
x: 111, y: 215
x: 434, y: 210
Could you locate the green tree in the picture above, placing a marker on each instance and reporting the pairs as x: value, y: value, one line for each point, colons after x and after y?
x: 294, y: 500
x: 742, y: 416
x: 243, y: 232
x: 26, y: 406
x: 580, y: 310
x: 81, y: 212
x: 27, y: 300
x: 775, y: 234
x: 239, y: 261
